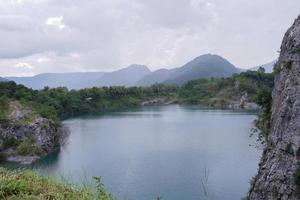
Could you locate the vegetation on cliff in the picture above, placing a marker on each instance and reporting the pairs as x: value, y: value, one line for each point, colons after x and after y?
x: 225, y: 91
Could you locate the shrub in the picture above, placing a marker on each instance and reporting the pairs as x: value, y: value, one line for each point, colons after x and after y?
x: 101, y: 192
x: 297, y: 176
x: 9, y: 142
x: 289, y: 149
x: 298, y: 152
x: 26, y: 147
x: 2, y: 157
x: 20, y: 184
x: 262, y: 123
x: 4, y: 107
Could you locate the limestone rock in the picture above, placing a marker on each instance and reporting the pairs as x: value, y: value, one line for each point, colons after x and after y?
x: 275, y: 178
x: 42, y: 135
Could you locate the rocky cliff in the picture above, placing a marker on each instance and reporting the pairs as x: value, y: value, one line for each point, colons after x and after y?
x: 276, y: 177
x: 25, y: 136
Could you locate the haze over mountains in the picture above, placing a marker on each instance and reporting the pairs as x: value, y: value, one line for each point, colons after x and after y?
x: 205, y: 66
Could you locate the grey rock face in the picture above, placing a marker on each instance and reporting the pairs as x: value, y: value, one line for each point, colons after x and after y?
x: 23, y: 124
x: 275, y: 179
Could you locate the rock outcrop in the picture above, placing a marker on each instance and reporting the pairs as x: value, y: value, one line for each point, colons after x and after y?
x: 280, y: 159
x: 25, y: 136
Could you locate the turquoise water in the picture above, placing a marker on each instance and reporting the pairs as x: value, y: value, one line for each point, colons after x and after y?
x: 177, y: 152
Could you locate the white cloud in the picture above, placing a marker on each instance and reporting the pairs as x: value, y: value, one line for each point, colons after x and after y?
x: 43, y: 60
x: 76, y: 35
x: 23, y: 65
x: 56, y: 22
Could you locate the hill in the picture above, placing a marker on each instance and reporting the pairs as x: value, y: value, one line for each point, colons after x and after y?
x: 205, y: 66
x: 268, y: 67
x: 237, y: 91
x: 124, y: 77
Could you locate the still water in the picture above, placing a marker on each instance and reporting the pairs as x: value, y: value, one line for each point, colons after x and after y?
x: 177, y: 152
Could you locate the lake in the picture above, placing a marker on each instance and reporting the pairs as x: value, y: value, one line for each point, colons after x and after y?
x: 177, y: 152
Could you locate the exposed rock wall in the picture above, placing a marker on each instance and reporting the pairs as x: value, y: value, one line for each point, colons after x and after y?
x: 38, y: 136
x: 275, y: 179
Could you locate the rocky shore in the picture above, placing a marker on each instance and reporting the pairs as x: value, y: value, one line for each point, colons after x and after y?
x: 26, y: 137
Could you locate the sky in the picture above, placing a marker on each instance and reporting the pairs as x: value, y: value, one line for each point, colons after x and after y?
x: 41, y: 36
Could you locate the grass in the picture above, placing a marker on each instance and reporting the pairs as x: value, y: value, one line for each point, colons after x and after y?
x: 28, y: 147
x: 27, y: 185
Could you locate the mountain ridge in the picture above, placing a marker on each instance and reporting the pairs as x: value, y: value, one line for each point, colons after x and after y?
x: 203, y: 66
x: 77, y: 80
x: 199, y: 67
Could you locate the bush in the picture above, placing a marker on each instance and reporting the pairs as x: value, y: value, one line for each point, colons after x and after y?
x: 25, y: 147
x: 4, y: 107
x: 2, y: 157
x: 297, y: 176
x: 264, y: 99
x: 298, y: 152
x: 289, y: 149
x: 9, y: 142
x: 20, y: 184
x: 28, y: 147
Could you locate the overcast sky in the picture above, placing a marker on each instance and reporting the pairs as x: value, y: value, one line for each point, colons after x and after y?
x: 39, y: 36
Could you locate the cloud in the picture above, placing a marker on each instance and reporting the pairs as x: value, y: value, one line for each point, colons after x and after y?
x: 43, y: 60
x: 76, y: 35
x: 56, y: 22
x: 23, y: 65
x: 15, y: 23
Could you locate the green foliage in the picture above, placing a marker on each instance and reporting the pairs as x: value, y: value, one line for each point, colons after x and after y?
x: 28, y: 185
x: 298, y: 152
x: 2, y: 157
x: 297, y: 176
x: 61, y: 103
x: 4, y: 107
x: 264, y: 99
x: 289, y: 149
x: 28, y: 147
x: 9, y: 142
x: 220, y: 91
x: 101, y: 192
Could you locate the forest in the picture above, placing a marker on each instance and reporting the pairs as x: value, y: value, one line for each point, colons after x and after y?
x: 61, y: 103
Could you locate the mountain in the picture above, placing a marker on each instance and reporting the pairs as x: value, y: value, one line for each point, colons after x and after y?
x: 71, y: 80
x: 268, y: 67
x: 3, y: 79
x: 78, y: 80
x: 125, y: 77
x: 157, y: 76
x: 205, y: 66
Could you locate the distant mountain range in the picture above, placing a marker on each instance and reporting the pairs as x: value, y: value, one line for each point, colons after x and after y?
x: 205, y: 66
x: 268, y: 67
x: 127, y: 77
x: 3, y: 79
